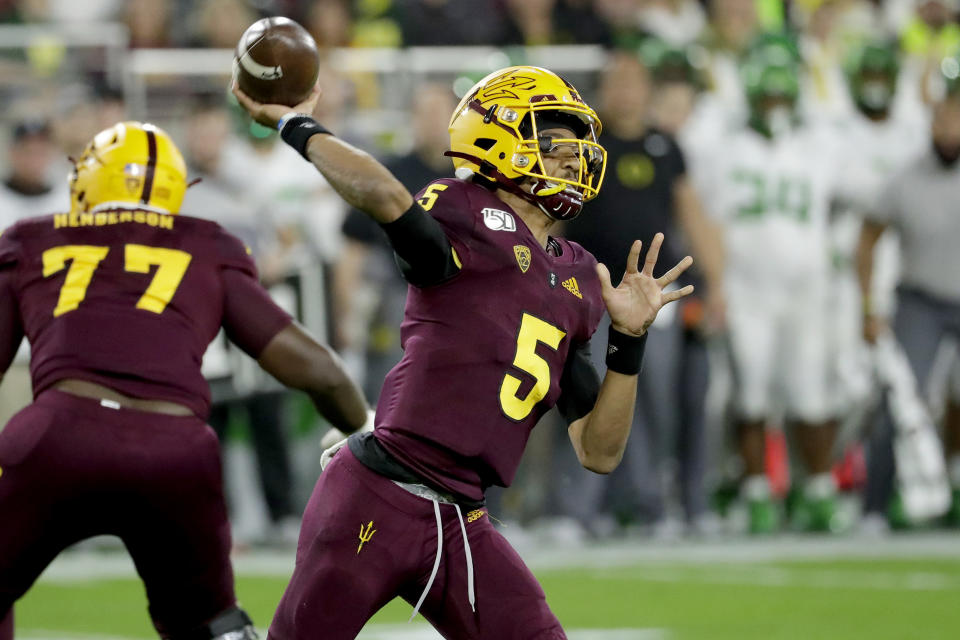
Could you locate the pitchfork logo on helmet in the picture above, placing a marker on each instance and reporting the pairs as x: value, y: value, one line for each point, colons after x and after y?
x: 495, y: 132
x: 131, y: 165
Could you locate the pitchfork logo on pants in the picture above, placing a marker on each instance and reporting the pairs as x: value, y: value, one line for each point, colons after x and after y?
x: 365, y: 534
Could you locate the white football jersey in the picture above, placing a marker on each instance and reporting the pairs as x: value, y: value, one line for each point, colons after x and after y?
x: 873, y: 152
x: 772, y: 198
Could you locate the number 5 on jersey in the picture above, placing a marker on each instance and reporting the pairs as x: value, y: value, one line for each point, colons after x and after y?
x: 533, y: 331
x: 429, y: 197
x: 84, y: 259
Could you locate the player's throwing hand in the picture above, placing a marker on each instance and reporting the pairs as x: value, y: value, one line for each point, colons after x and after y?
x: 269, y: 114
x: 634, y: 303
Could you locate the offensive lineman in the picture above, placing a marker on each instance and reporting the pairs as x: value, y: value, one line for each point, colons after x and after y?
x: 119, y: 298
x: 498, y: 317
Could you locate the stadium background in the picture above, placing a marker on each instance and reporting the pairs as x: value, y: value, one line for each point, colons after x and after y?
x: 68, y: 69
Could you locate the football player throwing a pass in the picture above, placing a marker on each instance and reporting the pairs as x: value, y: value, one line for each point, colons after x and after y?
x: 499, y: 315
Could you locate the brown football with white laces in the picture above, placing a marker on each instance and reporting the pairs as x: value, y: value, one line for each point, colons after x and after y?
x: 276, y: 62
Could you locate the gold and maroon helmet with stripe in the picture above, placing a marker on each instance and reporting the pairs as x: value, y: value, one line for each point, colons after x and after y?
x: 495, y: 132
x: 131, y: 165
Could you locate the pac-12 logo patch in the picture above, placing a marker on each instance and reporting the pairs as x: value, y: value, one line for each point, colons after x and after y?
x: 498, y: 220
x: 522, y: 252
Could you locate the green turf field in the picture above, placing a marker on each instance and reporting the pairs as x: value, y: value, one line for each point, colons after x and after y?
x: 803, y: 588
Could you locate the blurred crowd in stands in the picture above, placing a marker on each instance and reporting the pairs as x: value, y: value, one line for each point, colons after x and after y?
x: 756, y: 134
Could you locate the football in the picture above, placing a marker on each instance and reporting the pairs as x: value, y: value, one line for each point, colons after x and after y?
x: 276, y: 62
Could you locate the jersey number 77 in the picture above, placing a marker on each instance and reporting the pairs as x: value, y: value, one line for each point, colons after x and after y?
x: 84, y: 259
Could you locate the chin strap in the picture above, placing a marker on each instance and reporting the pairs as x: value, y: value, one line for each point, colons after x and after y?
x: 553, y: 199
x: 558, y: 201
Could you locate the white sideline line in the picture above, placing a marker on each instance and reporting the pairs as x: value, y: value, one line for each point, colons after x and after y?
x: 825, y: 578
x: 425, y: 632
x: 53, y: 634
x: 381, y: 632
x: 85, y: 565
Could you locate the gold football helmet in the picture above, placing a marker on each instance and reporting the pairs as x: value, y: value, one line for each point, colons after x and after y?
x: 495, y: 132
x: 131, y: 165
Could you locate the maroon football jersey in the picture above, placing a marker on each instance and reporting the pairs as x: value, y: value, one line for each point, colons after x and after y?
x: 484, y: 351
x: 131, y: 299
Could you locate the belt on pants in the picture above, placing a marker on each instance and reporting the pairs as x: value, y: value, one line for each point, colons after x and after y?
x: 437, y: 498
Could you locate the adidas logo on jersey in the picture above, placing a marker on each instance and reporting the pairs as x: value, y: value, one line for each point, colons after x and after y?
x: 570, y: 284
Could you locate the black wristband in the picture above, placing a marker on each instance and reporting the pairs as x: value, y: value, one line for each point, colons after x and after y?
x: 625, y: 352
x: 296, y: 131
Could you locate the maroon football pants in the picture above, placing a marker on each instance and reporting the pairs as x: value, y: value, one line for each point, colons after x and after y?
x: 365, y: 541
x: 71, y: 469
x: 6, y: 626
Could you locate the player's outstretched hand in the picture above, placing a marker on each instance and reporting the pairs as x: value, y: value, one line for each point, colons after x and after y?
x: 269, y: 114
x: 633, y: 305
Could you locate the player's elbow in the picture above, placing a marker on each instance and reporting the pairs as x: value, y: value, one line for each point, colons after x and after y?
x: 600, y: 460
x: 601, y: 464
x: 598, y: 455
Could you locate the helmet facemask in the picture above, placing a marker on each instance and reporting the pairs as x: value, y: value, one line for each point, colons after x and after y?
x: 558, y: 196
x: 772, y: 93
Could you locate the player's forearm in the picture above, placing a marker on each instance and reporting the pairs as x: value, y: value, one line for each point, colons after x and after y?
x: 359, y: 178
x: 706, y: 238
x: 338, y: 399
x: 870, y: 233
x: 707, y: 245
x: 298, y: 361
x: 342, y: 405
x: 600, y: 438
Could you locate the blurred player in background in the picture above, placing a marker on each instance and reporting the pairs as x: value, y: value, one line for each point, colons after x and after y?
x: 879, y: 140
x: 920, y: 203
x: 119, y: 299
x: 29, y: 189
x: 771, y: 186
x: 237, y: 393
x: 498, y: 321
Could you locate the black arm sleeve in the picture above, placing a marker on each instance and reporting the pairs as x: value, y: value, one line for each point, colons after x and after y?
x: 424, y: 253
x: 579, y: 385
